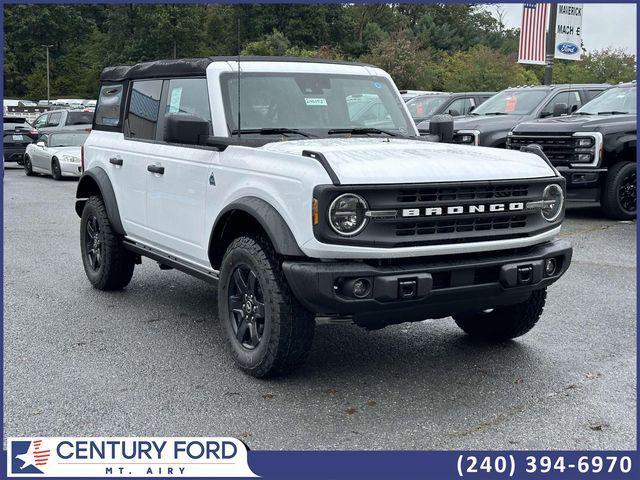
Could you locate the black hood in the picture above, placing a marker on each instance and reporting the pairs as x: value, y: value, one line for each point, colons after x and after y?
x: 483, y: 123
x: 579, y: 123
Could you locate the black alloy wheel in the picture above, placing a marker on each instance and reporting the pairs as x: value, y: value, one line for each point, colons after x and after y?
x: 627, y: 192
x: 246, y: 307
x: 93, y: 242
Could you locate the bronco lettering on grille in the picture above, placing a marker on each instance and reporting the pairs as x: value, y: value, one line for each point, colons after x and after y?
x: 461, y: 209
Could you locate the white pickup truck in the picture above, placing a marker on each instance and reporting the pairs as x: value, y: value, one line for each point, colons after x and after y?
x: 303, y: 190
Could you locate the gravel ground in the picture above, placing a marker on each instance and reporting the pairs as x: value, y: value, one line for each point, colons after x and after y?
x: 152, y: 360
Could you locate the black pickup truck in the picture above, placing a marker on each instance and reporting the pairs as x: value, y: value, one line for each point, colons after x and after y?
x: 594, y: 149
x: 489, y: 124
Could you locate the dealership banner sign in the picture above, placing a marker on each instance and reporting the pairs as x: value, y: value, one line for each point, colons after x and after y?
x: 569, y: 32
x: 127, y: 457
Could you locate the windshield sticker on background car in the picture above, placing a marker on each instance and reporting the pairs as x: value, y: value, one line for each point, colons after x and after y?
x: 377, y: 84
x: 174, y: 104
x: 315, y: 102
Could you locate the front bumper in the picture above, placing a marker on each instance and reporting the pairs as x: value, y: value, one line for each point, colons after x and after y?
x: 583, y: 183
x: 70, y: 169
x: 417, y: 289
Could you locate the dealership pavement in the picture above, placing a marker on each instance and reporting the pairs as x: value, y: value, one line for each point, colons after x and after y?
x: 151, y: 360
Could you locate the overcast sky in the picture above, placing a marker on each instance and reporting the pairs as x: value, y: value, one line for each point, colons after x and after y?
x: 603, y: 24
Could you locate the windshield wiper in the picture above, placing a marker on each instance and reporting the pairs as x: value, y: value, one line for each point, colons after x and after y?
x: 613, y: 112
x: 495, y: 113
x: 582, y: 113
x: 363, y: 131
x: 273, y: 131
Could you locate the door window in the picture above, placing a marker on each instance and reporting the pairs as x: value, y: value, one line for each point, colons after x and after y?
x: 40, y: 122
x: 54, y: 119
x: 144, y: 106
x: 188, y: 95
x: 460, y: 106
x: 571, y: 99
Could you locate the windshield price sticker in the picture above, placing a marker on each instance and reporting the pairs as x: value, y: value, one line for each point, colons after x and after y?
x: 510, y: 466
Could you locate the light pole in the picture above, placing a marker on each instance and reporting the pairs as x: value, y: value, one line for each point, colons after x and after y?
x: 48, y: 83
x: 551, y: 44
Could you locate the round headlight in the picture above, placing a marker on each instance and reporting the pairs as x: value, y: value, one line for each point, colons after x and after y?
x: 347, y: 214
x: 552, y: 202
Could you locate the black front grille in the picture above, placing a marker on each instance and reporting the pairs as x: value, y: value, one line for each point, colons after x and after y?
x: 452, y: 194
x: 481, y: 223
x: 558, y: 148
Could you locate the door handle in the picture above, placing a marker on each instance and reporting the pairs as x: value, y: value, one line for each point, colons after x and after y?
x: 156, y: 169
x: 115, y: 161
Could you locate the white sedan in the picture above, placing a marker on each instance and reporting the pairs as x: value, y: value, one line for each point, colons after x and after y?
x: 57, y: 154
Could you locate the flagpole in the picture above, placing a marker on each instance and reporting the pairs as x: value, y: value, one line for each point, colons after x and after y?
x: 551, y: 44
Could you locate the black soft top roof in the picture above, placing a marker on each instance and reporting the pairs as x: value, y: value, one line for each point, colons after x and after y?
x: 187, y: 67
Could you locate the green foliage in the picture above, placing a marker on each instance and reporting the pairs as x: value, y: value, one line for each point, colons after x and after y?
x: 425, y: 46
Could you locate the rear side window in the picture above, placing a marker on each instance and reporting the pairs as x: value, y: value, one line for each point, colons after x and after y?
x: 188, y: 95
x: 144, y: 107
x: 108, y: 108
x: 79, y: 118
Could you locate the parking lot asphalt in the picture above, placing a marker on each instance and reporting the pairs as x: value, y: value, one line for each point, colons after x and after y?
x: 152, y: 360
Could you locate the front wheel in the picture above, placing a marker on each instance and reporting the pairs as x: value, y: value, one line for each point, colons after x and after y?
x: 56, y: 171
x: 28, y: 169
x: 619, y: 193
x: 108, y: 265
x: 504, y: 323
x: 269, y: 332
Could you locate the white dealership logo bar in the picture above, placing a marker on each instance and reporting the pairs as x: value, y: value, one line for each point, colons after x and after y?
x: 127, y: 457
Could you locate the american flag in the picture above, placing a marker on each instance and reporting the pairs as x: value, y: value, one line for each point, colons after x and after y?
x: 533, y: 33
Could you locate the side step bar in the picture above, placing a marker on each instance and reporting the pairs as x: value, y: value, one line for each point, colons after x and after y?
x: 163, y: 258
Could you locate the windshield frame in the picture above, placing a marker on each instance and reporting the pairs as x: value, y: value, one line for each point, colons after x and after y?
x: 230, y: 121
x: 480, y: 111
x: 598, y: 99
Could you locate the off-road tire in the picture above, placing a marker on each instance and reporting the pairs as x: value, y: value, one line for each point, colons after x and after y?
x: 56, y: 171
x: 28, y: 170
x: 504, y: 323
x: 288, y: 327
x: 610, y: 200
x: 116, y: 266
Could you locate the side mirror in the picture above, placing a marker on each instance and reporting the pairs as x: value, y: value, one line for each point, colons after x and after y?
x: 41, y: 144
x: 560, y: 109
x: 185, y: 128
x: 454, y: 112
x: 442, y: 127
x: 471, y: 108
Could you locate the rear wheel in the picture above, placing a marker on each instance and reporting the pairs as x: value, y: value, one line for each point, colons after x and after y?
x: 504, y: 323
x: 56, y: 172
x: 269, y: 332
x: 619, y: 193
x: 108, y: 265
x: 28, y: 170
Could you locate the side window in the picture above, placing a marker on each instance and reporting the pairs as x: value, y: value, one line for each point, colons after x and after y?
x: 591, y: 94
x: 144, y: 106
x: 459, y: 106
x: 188, y: 95
x: 40, y: 122
x: 54, y: 119
x: 571, y: 99
x: 108, y: 107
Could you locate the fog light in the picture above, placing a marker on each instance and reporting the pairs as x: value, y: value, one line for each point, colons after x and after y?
x: 584, y: 157
x: 361, y: 288
x: 550, y: 266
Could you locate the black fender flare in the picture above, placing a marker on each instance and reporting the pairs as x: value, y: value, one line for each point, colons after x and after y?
x: 269, y: 219
x: 95, y: 181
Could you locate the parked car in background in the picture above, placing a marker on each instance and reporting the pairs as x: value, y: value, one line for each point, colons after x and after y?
x: 79, y: 119
x: 594, y: 149
x: 57, y: 154
x: 423, y: 107
x: 17, y: 134
x: 489, y: 124
x: 409, y: 94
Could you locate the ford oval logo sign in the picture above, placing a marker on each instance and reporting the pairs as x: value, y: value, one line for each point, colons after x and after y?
x: 568, y: 48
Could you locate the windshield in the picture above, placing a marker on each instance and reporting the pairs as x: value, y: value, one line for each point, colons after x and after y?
x: 67, y: 139
x: 313, y: 103
x: 617, y: 100
x: 422, y: 107
x: 511, y: 102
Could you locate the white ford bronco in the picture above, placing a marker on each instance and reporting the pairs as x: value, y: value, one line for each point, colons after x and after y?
x: 304, y: 191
